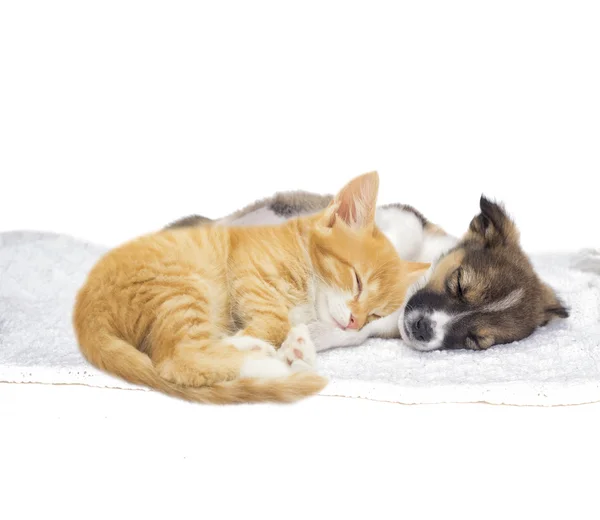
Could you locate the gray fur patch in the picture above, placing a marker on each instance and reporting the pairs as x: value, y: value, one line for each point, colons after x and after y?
x: 294, y: 203
x: 190, y: 221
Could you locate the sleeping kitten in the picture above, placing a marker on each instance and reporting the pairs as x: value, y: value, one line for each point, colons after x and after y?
x: 218, y: 314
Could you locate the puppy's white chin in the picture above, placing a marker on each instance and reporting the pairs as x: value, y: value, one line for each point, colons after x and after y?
x: 421, y: 347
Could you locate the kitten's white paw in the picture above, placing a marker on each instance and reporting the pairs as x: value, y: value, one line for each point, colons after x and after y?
x: 325, y: 335
x: 298, y: 350
x: 253, y: 344
x: 301, y: 366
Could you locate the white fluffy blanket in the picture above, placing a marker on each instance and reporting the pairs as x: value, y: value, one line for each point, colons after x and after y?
x: 560, y: 364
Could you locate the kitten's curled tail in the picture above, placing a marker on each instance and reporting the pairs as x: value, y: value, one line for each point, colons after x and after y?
x: 122, y: 359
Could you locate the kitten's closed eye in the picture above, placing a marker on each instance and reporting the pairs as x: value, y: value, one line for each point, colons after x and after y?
x: 373, y: 316
x: 359, y: 286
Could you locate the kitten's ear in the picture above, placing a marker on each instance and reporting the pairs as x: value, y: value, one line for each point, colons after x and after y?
x: 493, y: 225
x: 356, y: 202
x: 413, y: 272
x: 418, y: 266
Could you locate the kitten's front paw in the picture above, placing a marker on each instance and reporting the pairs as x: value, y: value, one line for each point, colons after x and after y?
x: 324, y: 335
x: 298, y: 350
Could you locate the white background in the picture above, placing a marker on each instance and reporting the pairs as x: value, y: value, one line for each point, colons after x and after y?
x: 117, y: 117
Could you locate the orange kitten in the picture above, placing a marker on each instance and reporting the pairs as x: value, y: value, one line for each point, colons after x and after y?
x: 218, y: 315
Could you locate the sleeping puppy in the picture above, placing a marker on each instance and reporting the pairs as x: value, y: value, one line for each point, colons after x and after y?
x: 481, y: 293
x: 481, y: 290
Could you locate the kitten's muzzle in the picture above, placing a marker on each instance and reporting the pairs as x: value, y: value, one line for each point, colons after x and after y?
x: 352, y: 323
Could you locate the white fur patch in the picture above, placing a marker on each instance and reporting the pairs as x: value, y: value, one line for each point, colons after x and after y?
x: 403, y: 229
x: 434, y: 246
x: 259, y: 217
x: 251, y: 343
x: 439, y: 323
x: 413, y: 243
x: 264, y: 368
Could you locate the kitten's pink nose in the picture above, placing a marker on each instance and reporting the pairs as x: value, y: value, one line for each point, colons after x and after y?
x: 352, y: 323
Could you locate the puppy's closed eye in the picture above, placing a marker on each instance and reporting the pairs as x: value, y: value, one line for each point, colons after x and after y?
x: 455, y: 285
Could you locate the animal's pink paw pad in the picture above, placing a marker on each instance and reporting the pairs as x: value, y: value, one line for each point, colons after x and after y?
x: 251, y: 344
x: 298, y: 350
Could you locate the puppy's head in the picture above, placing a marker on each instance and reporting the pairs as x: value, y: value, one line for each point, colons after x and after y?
x: 481, y: 293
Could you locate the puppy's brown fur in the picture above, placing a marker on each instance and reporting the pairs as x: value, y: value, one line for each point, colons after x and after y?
x: 487, y: 285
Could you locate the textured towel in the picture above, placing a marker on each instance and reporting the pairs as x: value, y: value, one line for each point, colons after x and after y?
x: 560, y: 364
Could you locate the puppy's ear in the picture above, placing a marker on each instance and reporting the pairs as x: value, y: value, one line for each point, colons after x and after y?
x: 493, y: 226
x: 355, y: 204
x: 552, y: 307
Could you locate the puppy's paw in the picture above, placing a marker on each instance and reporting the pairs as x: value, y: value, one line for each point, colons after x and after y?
x: 298, y: 350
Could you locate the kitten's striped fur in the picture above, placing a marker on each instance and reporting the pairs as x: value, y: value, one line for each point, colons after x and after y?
x: 198, y: 312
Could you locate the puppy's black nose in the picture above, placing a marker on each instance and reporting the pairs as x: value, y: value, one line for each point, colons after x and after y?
x: 422, y: 329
